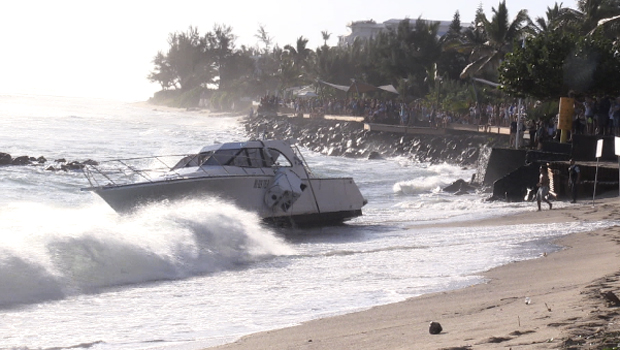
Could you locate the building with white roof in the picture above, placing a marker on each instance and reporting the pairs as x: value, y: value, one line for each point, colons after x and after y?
x: 369, y: 29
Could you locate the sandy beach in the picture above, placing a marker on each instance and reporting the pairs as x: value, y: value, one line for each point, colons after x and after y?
x: 555, y: 301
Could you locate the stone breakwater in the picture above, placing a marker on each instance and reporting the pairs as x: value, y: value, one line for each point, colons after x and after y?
x: 349, y: 139
x: 61, y: 164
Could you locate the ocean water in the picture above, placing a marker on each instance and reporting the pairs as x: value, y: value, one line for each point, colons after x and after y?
x: 74, y: 274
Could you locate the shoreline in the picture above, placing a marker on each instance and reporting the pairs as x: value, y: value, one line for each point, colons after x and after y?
x: 565, y: 290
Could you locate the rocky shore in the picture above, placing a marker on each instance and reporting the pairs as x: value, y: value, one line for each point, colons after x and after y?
x: 61, y: 164
x: 337, y: 138
x: 340, y: 138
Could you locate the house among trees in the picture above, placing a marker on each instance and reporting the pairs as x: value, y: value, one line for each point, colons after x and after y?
x: 369, y: 29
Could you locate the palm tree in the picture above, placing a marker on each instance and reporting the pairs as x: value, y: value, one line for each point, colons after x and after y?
x: 601, y: 14
x: 591, y: 15
x: 300, y: 53
x: 553, y: 20
x: 499, y: 34
x: 300, y: 58
x: 326, y: 37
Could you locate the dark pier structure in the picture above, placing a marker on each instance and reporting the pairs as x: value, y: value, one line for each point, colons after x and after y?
x: 511, y: 172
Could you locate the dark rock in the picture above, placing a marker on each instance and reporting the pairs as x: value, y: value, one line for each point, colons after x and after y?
x: 23, y: 160
x: 72, y: 166
x: 61, y: 160
x: 612, y: 298
x: 375, y: 155
x: 459, y: 186
x: 5, y: 158
x: 435, y: 328
x: 51, y: 168
x: 41, y: 160
x: 90, y: 162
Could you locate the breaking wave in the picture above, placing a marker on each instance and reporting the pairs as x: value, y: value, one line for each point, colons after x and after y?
x: 51, y: 253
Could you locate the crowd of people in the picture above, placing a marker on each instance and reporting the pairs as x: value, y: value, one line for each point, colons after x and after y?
x: 597, y: 116
x: 396, y: 112
x: 592, y: 116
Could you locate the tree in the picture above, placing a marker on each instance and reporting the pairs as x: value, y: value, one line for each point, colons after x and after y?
x: 592, y: 15
x: 163, y: 72
x: 298, y: 60
x: 500, y: 34
x: 300, y: 54
x: 187, y: 63
x: 326, y: 37
x: 221, y: 46
x: 553, y: 64
x: 552, y: 21
x: 537, y: 68
x: 452, y: 61
x: 263, y: 37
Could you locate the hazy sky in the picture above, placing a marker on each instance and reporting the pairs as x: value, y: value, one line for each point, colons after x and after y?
x: 105, y: 48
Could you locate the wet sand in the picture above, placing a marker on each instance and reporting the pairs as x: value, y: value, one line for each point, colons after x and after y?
x: 565, y: 290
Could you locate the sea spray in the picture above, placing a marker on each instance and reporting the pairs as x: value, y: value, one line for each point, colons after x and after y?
x: 431, y: 179
x: 85, y: 250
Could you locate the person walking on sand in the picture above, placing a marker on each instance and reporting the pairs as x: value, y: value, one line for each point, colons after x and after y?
x: 543, y: 187
x: 574, y: 177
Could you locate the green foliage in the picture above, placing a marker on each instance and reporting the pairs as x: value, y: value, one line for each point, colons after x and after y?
x: 554, y: 63
x: 570, y: 50
x: 177, y: 98
x: 537, y: 68
x: 450, y: 95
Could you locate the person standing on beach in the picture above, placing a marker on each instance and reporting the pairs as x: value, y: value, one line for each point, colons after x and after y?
x: 543, y: 187
x: 574, y: 177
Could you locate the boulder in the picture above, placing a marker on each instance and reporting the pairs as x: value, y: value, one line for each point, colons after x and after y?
x: 5, y: 158
x: 72, y: 166
x: 459, y: 187
x: 22, y: 160
x: 90, y: 162
x: 375, y: 155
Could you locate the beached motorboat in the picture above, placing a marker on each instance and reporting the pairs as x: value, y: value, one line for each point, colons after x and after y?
x: 269, y: 177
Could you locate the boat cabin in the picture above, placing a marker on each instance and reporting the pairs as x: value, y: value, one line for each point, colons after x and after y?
x: 251, y: 154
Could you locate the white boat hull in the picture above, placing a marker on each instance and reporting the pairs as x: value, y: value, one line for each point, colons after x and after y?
x: 325, y: 200
x: 266, y: 177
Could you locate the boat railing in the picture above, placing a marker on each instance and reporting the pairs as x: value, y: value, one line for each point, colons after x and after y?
x: 130, y: 170
x: 119, y: 172
x: 300, y: 155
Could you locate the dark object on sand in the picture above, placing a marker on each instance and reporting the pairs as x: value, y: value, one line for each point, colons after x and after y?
x: 435, y: 328
x: 375, y: 155
x: 459, y: 187
x: 612, y: 298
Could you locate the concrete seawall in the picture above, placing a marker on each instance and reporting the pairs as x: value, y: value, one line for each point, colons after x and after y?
x: 355, y: 139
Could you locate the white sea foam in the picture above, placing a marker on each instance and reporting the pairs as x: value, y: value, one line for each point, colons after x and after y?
x: 69, y: 251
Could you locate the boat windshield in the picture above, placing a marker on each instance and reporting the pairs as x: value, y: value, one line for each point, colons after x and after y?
x: 278, y: 159
x: 241, y: 157
x: 189, y: 161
